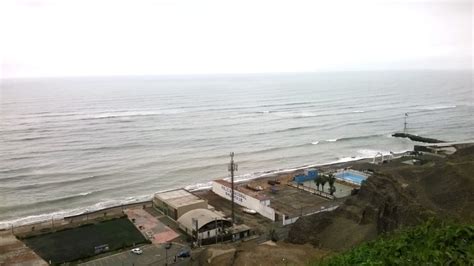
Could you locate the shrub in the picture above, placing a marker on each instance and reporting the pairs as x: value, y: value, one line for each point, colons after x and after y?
x: 437, y: 243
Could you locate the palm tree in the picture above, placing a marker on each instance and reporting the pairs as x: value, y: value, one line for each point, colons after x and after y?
x: 331, y: 181
x: 323, y: 181
x: 317, y: 181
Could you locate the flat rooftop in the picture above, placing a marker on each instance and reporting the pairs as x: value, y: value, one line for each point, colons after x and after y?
x: 260, y: 195
x: 178, y: 198
x: 293, y: 202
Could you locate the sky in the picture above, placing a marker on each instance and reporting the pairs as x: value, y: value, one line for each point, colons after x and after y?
x: 42, y: 38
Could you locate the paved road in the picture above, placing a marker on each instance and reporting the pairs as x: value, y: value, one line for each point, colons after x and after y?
x: 152, y: 255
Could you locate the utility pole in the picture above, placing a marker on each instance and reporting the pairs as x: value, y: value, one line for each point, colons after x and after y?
x: 232, y: 168
x: 405, y: 124
x: 195, y: 221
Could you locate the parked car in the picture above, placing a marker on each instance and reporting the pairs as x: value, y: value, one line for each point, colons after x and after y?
x: 184, y: 254
x: 137, y: 251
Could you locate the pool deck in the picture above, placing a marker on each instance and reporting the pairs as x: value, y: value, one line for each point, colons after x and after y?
x: 351, y: 176
x: 342, y: 189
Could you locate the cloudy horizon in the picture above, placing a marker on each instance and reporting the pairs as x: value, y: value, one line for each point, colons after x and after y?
x: 102, y: 38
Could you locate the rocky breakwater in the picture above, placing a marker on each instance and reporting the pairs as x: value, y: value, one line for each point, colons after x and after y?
x: 416, y: 138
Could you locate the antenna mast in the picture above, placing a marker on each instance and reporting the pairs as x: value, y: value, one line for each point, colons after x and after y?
x: 405, y: 124
x: 232, y: 168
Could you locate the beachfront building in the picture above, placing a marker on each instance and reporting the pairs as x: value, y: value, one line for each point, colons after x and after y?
x: 211, y: 227
x: 245, y: 197
x: 208, y: 223
x: 175, y: 203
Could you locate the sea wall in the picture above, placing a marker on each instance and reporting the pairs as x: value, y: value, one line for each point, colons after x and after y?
x: 55, y: 224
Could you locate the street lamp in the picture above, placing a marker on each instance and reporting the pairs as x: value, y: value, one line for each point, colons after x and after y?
x: 167, y: 246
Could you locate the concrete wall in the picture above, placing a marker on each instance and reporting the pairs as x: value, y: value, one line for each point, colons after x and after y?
x: 61, y: 223
x: 165, y: 208
x: 287, y: 221
x: 244, y: 200
x: 204, y: 235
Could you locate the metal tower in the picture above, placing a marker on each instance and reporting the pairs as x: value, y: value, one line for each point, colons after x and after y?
x: 405, y: 124
x: 232, y: 167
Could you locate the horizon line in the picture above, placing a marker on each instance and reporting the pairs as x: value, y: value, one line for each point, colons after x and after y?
x: 238, y: 73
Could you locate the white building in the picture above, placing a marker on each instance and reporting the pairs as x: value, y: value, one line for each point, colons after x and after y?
x: 244, y: 197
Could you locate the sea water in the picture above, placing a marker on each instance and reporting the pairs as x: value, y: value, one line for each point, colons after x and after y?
x: 73, y: 144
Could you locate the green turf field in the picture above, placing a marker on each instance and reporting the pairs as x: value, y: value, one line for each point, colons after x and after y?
x: 79, y: 243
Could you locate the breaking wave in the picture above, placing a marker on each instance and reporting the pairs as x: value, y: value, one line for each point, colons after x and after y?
x: 437, y: 107
x: 349, y: 138
x: 129, y: 114
x: 69, y: 212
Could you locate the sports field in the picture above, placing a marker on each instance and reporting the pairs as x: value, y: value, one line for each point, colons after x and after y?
x: 79, y: 243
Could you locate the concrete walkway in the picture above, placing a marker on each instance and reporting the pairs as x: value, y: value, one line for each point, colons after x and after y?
x: 152, y: 228
x: 15, y: 252
x: 152, y: 255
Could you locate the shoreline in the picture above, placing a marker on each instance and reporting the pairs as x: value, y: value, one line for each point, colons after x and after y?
x: 100, y: 206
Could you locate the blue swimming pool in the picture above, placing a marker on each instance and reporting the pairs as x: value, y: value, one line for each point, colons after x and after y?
x: 351, y: 177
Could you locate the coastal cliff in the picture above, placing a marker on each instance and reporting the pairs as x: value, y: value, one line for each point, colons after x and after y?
x: 395, y: 196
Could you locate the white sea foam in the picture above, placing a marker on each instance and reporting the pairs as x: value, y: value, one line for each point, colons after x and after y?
x: 315, y: 142
x: 306, y: 114
x: 348, y: 159
x: 199, y: 186
x: 362, y: 154
x: 437, y: 107
x: 134, y: 113
x: 331, y: 140
x: 365, y: 154
x: 64, y: 213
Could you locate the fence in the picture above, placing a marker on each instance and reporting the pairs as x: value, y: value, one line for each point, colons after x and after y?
x: 287, y: 221
x: 61, y: 223
x: 312, y: 191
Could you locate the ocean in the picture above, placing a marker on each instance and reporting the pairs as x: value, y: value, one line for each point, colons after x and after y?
x: 73, y: 144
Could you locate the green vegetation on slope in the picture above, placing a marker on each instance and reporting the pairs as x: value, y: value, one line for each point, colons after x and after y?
x: 436, y: 243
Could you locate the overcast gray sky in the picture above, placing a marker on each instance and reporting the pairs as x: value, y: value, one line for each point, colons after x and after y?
x: 132, y: 37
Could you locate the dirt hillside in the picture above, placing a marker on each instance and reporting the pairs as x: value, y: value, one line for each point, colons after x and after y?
x: 396, y: 195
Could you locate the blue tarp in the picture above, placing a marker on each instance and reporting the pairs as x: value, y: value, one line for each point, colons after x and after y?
x: 310, y: 176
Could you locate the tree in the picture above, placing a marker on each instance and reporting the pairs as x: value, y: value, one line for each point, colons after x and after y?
x: 317, y: 181
x: 273, y: 235
x: 331, y: 181
x: 323, y: 181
